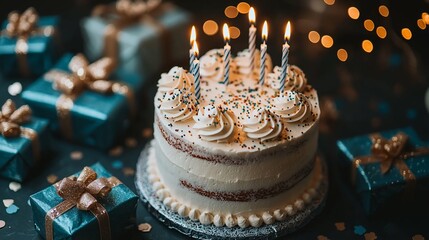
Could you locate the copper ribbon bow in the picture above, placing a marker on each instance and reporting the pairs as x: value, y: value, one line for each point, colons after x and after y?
x: 390, y: 152
x: 82, y: 192
x: 84, y: 76
x: 10, y: 124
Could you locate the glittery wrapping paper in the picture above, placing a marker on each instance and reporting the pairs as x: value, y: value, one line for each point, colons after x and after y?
x: 142, y: 46
x: 40, y: 55
x: 76, y: 224
x: 376, y: 189
x: 16, y: 154
x: 98, y: 120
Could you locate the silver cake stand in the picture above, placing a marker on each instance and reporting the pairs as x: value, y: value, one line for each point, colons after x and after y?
x: 199, y: 231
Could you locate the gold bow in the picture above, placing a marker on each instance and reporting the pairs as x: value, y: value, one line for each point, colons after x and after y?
x: 21, y: 25
x: 83, y: 193
x: 389, y: 153
x: 11, y: 118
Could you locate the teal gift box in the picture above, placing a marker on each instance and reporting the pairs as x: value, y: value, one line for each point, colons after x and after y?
x: 157, y: 38
x: 71, y: 217
x: 21, y: 153
x: 30, y: 53
x: 387, y: 168
x: 97, y: 118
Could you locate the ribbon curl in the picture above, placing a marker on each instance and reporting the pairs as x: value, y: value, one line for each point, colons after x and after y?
x: 82, y: 192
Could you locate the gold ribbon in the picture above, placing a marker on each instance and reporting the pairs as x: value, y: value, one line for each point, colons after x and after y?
x: 82, y: 192
x: 84, y: 76
x: 389, y: 153
x: 10, y: 124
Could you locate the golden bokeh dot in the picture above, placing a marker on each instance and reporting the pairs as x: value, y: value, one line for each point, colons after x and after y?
x: 367, y: 46
x: 314, y: 36
x: 368, y: 24
x: 327, y: 41
x: 329, y: 2
x: 231, y: 12
x: 353, y: 13
x: 425, y: 17
x: 210, y: 27
x: 381, y: 32
x: 234, y: 32
x: 342, y: 55
x: 406, y: 33
x: 243, y: 7
x: 421, y: 24
x: 383, y: 10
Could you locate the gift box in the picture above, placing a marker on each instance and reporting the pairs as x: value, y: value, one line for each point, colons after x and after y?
x: 27, y: 44
x: 89, y: 205
x: 386, y: 167
x: 95, y: 112
x: 143, y: 43
x: 23, y: 140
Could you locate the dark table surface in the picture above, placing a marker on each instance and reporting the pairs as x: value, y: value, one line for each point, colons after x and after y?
x: 369, y: 92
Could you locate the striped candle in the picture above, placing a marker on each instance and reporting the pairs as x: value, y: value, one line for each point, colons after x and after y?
x: 252, y: 39
x: 263, y: 53
x: 285, y: 58
x: 226, y: 54
x: 195, y: 70
x: 193, y: 38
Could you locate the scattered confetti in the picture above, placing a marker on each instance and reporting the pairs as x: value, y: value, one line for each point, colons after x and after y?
x: 76, y: 155
x: 359, y: 230
x: 52, y: 178
x: 14, y: 186
x: 12, y: 209
x: 145, y: 227
x: 116, y: 151
x: 15, y: 89
x: 147, y: 132
x: 340, y: 226
x: 128, y: 171
x: 130, y: 142
x: 418, y: 237
x: 8, y: 202
x: 2, y: 224
x: 370, y: 236
x: 117, y: 164
x: 321, y: 237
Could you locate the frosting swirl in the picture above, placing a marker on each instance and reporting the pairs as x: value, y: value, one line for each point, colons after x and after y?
x: 214, y: 124
x: 211, y: 64
x: 262, y: 124
x: 242, y: 62
x: 177, y: 106
x: 295, y: 79
x: 292, y: 107
x: 176, y: 78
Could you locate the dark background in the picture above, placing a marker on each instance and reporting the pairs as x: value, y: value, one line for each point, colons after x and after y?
x: 369, y: 92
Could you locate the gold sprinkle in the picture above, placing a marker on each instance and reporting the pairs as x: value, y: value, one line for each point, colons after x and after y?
x: 327, y: 41
x: 52, y: 179
x: 145, y: 227
x: 383, y: 10
x: 128, y: 171
x: 231, y: 12
x: 342, y: 55
x: 369, y: 25
x: 210, y: 27
x: 116, y: 151
x: 147, y: 132
x: 418, y: 237
x: 406, y: 33
x: 421, y: 23
x: 340, y: 226
x: 130, y: 142
x: 314, y: 36
x: 243, y: 7
x: 370, y: 236
x: 76, y: 155
x: 367, y: 46
x: 381, y: 32
x: 353, y: 13
x: 329, y: 2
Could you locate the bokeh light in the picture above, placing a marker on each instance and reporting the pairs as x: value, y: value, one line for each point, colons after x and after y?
x: 381, y: 32
x: 406, y: 33
x: 367, y: 46
x: 234, y: 32
x: 421, y: 24
x: 327, y: 41
x: 342, y: 55
x: 314, y: 36
x: 383, y: 10
x: 329, y: 2
x: 210, y: 27
x: 243, y: 7
x: 231, y: 12
x: 425, y: 17
x: 369, y: 25
x: 353, y: 13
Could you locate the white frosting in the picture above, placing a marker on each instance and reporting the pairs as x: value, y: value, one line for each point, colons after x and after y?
x: 211, y: 65
x: 263, y: 125
x: 214, y: 124
x: 242, y: 62
x: 295, y: 79
x: 292, y: 107
x: 176, y: 78
x: 177, y: 106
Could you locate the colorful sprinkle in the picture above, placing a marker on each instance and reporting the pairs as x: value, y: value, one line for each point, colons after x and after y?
x: 117, y: 164
x: 8, y: 202
x: 14, y: 186
x: 340, y: 226
x: 359, y: 230
x: 145, y: 227
x: 12, y: 209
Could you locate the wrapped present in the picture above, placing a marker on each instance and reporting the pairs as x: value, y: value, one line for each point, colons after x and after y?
x: 88, y: 205
x: 143, y: 37
x: 385, y: 166
x: 22, y: 141
x: 81, y: 104
x: 26, y: 44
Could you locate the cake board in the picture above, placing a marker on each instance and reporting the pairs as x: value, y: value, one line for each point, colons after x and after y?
x: 195, y: 229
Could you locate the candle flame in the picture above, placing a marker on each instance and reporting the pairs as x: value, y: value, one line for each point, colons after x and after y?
x: 195, y: 48
x: 287, y: 31
x: 252, y: 16
x: 265, y: 31
x: 226, y: 32
x: 193, y: 35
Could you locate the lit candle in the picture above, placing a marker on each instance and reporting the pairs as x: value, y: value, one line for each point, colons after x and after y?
x: 226, y: 54
x: 252, y: 38
x: 263, y: 53
x: 191, y: 51
x: 195, y: 70
x: 285, y: 58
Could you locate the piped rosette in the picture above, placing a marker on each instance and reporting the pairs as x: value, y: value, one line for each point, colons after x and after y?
x: 211, y: 65
x: 214, y: 124
x: 242, y: 62
x: 177, y: 105
x: 295, y: 79
x: 176, y: 78
x: 262, y: 124
x: 292, y: 107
